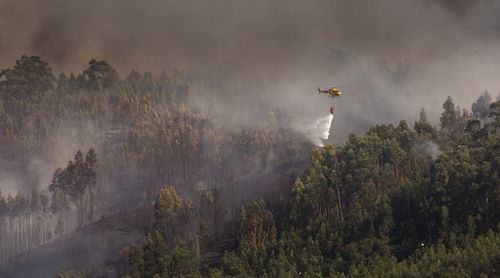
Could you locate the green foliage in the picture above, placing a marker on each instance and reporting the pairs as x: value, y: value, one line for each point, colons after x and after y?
x: 423, y: 128
x: 152, y: 137
x: 30, y: 80
x: 150, y: 131
x: 448, y: 119
x: 495, y: 113
x: 360, y: 209
x: 380, y: 206
x: 256, y: 225
x: 480, y: 107
x: 167, y: 208
x: 452, y: 122
x: 154, y: 260
x: 75, y: 182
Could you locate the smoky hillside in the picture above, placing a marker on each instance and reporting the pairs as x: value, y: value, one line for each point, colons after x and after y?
x: 397, y: 201
x: 77, y: 148
x: 175, y: 131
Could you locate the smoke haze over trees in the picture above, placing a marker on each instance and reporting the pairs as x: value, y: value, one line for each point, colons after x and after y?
x: 375, y: 206
x: 148, y: 132
x: 385, y: 55
x: 166, y: 122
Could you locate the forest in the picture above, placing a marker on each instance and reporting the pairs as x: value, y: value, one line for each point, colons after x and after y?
x: 126, y: 139
x: 398, y: 201
x: 380, y: 205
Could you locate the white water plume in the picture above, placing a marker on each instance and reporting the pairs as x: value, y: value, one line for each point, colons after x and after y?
x: 317, y: 131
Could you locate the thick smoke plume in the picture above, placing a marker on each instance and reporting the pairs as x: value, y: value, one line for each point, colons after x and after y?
x: 447, y: 47
x: 390, y: 57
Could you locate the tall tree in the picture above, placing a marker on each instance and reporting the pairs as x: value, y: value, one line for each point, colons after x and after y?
x: 100, y: 75
x: 168, y: 208
x: 495, y: 113
x: 424, y: 128
x: 90, y: 175
x: 448, y: 120
x: 481, y: 107
x: 74, y: 180
x: 31, y: 79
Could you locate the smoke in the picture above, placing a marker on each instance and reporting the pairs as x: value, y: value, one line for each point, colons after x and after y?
x: 317, y: 130
x: 256, y: 34
x: 390, y: 57
x: 429, y: 148
x: 9, y: 183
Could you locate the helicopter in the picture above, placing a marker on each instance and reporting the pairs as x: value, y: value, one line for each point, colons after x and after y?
x: 333, y: 92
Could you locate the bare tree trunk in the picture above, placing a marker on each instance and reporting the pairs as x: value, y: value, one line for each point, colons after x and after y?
x: 340, y: 206
x: 91, y: 202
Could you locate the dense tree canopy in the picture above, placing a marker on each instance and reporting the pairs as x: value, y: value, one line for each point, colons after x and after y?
x: 381, y: 205
x: 149, y: 131
x: 398, y: 201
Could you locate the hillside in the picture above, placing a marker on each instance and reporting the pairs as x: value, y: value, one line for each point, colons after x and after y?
x: 76, y: 148
x: 98, y: 245
x: 383, y: 204
x: 222, y: 182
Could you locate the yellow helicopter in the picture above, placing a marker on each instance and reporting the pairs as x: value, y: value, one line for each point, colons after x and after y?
x: 332, y: 91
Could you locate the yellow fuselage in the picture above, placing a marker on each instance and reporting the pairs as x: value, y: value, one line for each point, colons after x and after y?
x: 331, y: 91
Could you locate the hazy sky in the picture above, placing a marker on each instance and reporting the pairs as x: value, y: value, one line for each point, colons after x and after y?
x: 391, y: 57
x: 155, y: 34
